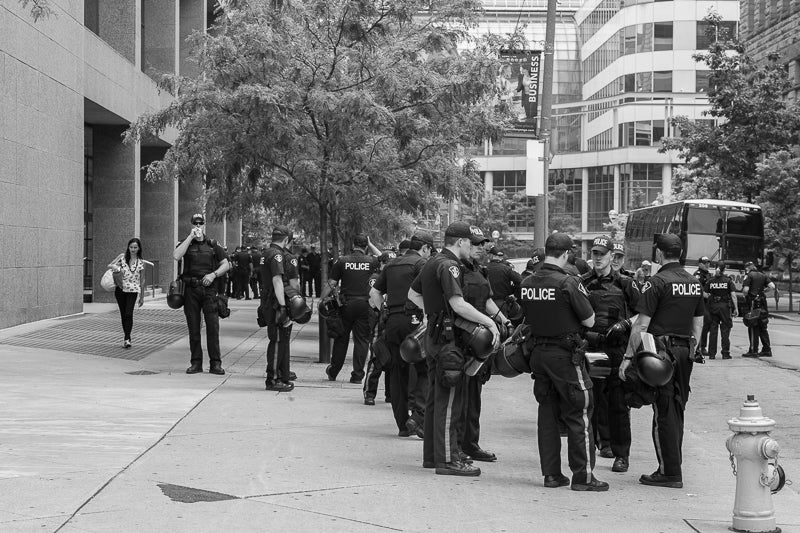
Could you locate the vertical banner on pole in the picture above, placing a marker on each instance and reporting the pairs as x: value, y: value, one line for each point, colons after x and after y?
x: 519, y: 85
x: 534, y: 168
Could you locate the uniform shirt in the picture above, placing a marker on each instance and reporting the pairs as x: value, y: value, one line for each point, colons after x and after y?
x: 504, y: 280
x: 243, y: 261
x: 353, y: 272
x: 302, y: 262
x: 372, y: 280
x: 255, y: 259
x: 439, y: 280
x: 702, y: 276
x: 756, y: 282
x: 290, y: 265
x: 476, y: 286
x: 554, y: 302
x: 396, y: 277
x: 273, y: 263
x: 672, y: 297
x: 201, y: 258
x: 720, y: 288
x: 614, y: 298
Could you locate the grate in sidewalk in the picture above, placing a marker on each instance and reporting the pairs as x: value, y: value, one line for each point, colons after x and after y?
x: 153, y: 329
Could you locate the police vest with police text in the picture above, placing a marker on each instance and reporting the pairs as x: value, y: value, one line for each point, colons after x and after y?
x: 545, y: 302
x: 608, y: 299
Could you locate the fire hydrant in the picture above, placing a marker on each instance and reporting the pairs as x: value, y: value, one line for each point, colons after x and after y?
x: 756, y: 469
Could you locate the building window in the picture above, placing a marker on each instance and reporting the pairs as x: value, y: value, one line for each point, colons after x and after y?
x: 644, y: 37
x: 701, y: 79
x: 662, y: 36
x: 88, y: 210
x: 644, y: 82
x: 510, y: 146
x: 509, y: 181
x: 601, y: 196
x: 644, y: 133
x: 640, y: 184
x: 601, y: 141
x: 662, y: 81
x: 725, y: 31
x: 566, y: 189
x: 629, y: 40
x: 658, y: 131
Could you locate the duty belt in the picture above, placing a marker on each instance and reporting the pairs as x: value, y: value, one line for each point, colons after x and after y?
x: 193, y: 282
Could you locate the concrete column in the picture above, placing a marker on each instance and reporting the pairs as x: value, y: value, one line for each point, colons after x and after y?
x: 160, y: 37
x: 192, y: 18
x: 666, y: 181
x: 584, y: 199
x: 233, y: 233
x: 118, y: 25
x: 158, y: 219
x: 115, y: 186
x: 616, y: 188
x: 488, y: 180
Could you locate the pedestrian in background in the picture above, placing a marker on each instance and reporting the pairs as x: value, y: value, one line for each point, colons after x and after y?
x: 131, y: 265
x: 255, y: 261
x: 203, y: 263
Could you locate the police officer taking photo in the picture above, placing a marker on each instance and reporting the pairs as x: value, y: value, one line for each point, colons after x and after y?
x: 556, y: 307
x: 722, y: 306
x: 438, y: 291
x: 505, y: 282
x: 670, y: 308
x: 352, y: 272
x: 614, y: 298
x: 203, y: 262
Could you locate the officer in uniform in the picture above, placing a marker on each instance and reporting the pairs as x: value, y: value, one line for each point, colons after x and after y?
x: 255, y: 261
x: 352, y: 272
x: 702, y: 274
x: 276, y: 274
x: 671, y: 308
x: 477, y: 291
x: 244, y: 267
x: 402, y: 318
x: 754, y: 288
x: 377, y: 330
x: 203, y: 262
x: 556, y: 307
x: 614, y: 298
x: 618, y: 260
x: 723, y: 307
x: 505, y: 282
x: 438, y: 291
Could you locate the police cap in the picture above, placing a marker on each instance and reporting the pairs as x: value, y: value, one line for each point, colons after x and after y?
x: 198, y: 218
x: 538, y: 255
x: 705, y: 259
x: 558, y: 241
x: 669, y: 242
x: 462, y: 230
x: 279, y: 232
x: 749, y: 264
x: 495, y: 251
x: 424, y: 238
x: 386, y: 256
x: 618, y: 248
x: 405, y: 244
x: 602, y: 244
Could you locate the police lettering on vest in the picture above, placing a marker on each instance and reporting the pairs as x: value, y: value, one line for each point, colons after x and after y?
x: 723, y: 286
x: 353, y: 272
x: 357, y: 266
x: 531, y: 293
x: 686, y: 289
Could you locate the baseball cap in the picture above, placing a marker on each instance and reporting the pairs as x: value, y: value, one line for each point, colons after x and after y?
x: 704, y: 259
x: 668, y: 242
x: 495, y: 251
x: 360, y: 241
x: 602, y: 244
x: 279, y: 232
x: 198, y: 218
x: 538, y: 255
x: 531, y: 264
x: 462, y: 230
x: 646, y: 263
x: 558, y: 241
x: 618, y: 248
x: 405, y: 244
x: 424, y: 238
x: 749, y: 264
x: 386, y: 256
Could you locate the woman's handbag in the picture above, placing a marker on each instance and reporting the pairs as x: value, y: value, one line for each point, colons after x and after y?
x: 117, y: 275
x: 107, y: 282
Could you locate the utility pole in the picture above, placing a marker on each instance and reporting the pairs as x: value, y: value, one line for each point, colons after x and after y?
x: 542, y: 216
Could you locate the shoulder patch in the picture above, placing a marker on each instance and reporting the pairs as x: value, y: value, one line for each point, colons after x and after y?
x: 372, y: 282
x: 647, y: 285
x: 293, y: 262
x: 583, y: 289
x: 278, y: 258
x: 454, y: 271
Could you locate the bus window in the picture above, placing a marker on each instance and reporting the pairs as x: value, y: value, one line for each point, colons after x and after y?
x: 741, y: 250
x: 744, y: 223
x: 699, y: 245
x: 705, y: 221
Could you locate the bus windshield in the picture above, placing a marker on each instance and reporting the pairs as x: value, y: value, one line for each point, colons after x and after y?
x: 732, y: 234
x: 742, y: 249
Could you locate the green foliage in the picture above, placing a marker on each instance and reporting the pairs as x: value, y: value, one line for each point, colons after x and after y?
x: 752, y: 120
x: 780, y: 176
x: 332, y: 110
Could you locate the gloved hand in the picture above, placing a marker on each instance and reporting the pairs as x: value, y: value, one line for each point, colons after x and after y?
x: 618, y: 333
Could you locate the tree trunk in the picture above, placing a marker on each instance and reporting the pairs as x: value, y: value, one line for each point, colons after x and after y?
x: 324, y: 341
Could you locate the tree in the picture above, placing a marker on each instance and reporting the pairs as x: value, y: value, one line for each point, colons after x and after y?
x: 40, y: 9
x: 751, y: 120
x: 780, y: 174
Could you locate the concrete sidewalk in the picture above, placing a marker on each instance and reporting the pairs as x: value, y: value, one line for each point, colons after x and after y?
x: 87, y: 446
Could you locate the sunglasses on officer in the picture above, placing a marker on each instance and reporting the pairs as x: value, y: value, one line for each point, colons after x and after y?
x: 198, y: 223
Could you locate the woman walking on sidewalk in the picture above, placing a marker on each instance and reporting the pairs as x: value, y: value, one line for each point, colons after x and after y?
x: 131, y: 265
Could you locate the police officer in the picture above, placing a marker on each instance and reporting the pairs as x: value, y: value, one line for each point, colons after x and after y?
x: 352, y: 272
x: 244, y: 267
x: 671, y: 308
x: 255, y: 261
x: 618, y: 260
x: 723, y: 307
x: 477, y: 291
x: 276, y: 274
x: 403, y: 317
x: 754, y: 288
x: 533, y: 264
x: 377, y: 326
x: 438, y: 291
x: 556, y: 306
x: 203, y: 262
x: 702, y: 274
x: 505, y: 282
x: 614, y: 298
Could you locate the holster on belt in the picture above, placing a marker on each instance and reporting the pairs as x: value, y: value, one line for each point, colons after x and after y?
x: 577, y: 346
x: 596, y: 341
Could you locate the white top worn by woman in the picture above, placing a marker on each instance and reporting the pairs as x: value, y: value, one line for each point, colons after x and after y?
x: 131, y: 281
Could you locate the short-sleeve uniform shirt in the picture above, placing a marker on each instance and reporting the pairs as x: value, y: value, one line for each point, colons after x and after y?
x: 353, y: 272
x: 439, y: 280
x: 672, y: 298
x: 273, y: 263
x: 554, y: 303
